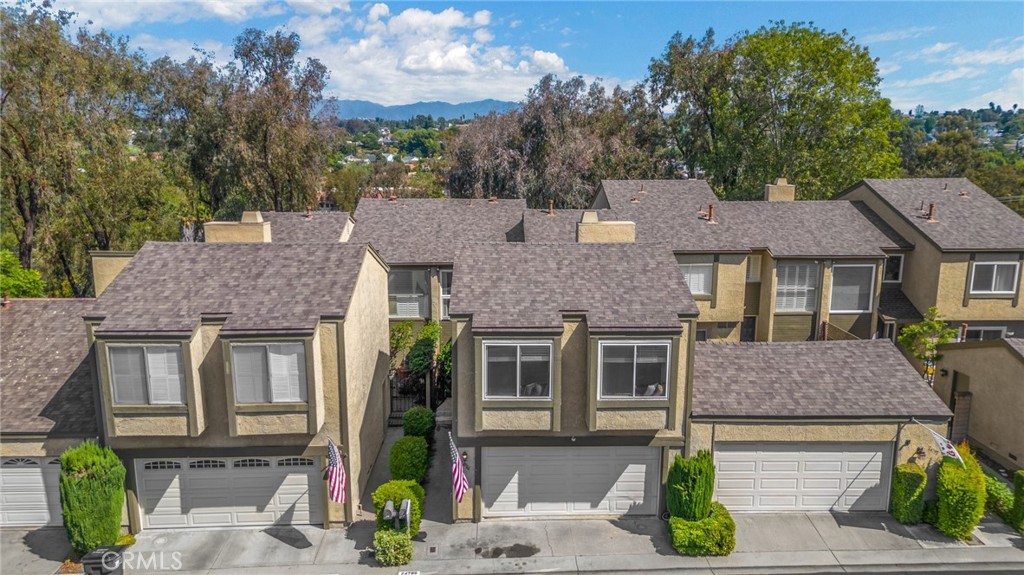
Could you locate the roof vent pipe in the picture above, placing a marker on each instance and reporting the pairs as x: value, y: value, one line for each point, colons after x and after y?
x: 493, y: 199
x: 931, y: 212
x: 393, y: 198
x: 551, y: 207
x: 711, y: 214
x: 963, y: 332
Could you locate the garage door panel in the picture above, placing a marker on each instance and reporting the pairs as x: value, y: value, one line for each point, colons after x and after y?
x: 29, y: 492
x: 554, y: 481
x: 803, y: 476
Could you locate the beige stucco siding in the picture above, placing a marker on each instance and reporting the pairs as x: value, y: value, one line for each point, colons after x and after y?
x: 726, y: 303
x: 15, y: 446
x: 105, y: 267
x: 516, y: 420
x: 953, y: 277
x: 366, y: 364
x: 237, y: 232
x: 996, y: 385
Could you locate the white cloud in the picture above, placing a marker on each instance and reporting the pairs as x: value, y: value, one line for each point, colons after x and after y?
x: 482, y: 18
x: 483, y: 35
x: 886, y: 68
x: 321, y: 7
x: 1010, y: 93
x: 548, y: 61
x: 515, y: 24
x: 937, y: 77
x: 893, y: 35
x: 118, y: 15
x: 378, y: 11
x: 1002, y: 51
x: 937, y: 48
x: 180, y: 50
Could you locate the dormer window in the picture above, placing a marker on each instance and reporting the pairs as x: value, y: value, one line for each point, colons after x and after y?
x: 628, y: 370
x: 994, y: 278
x: 269, y: 373
x: 147, y: 374
x: 517, y: 370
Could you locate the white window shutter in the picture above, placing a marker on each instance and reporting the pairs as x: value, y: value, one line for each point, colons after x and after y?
x: 287, y: 372
x: 250, y: 368
x: 166, y: 377
x: 127, y: 369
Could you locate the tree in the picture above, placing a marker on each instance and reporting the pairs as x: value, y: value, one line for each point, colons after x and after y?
x: 16, y: 281
x: 923, y: 339
x: 785, y: 100
x: 91, y: 495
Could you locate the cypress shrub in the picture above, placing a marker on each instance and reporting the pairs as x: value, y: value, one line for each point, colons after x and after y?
x: 1017, y: 513
x: 408, y: 459
x: 419, y: 421
x: 91, y: 495
x: 908, y: 483
x: 998, y: 498
x: 961, y: 491
x: 392, y: 547
x: 397, y: 490
x: 715, y: 535
x: 690, y: 486
x: 421, y: 356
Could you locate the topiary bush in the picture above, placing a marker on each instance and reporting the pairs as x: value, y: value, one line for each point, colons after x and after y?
x: 392, y: 547
x: 908, y: 483
x: 397, y: 490
x: 421, y: 355
x: 91, y: 496
x: 408, y: 459
x: 715, y: 535
x: 961, y: 491
x: 419, y: 421
x: 1017, y: 513
x: 690, y: 485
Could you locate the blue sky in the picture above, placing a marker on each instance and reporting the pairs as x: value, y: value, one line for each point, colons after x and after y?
x: 943, y: 55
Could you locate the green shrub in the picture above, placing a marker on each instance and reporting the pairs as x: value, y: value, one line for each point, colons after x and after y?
x: 690, y: 485
x: 91, y: 496
x: 961, y: 493
x: 392, y: 547
x: 408, y: 459
x: 401, y: 339
x: 1017, y: 513
x: 421, y: 356
x: 714, y: 535
x: 397, y: 490
x: 998, y: 497
x: 908, y: 483
x: 930, y: 515
x: 419, y: 421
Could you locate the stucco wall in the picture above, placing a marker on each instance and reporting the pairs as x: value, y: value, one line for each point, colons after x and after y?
x: 366, y: 362
x: 14, y: 446
x: 271, y: 423
x: 605, y: 232
x: 631, y: 419
x: 105, y: 267
x: 996, y: 375
x: 237, y: 232
x: 729, y: 287
x: 516, y: 420
x: 953, y: 275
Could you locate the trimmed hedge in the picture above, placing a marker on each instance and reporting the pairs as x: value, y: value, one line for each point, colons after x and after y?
x: 908, y: 483
x: 420, y: 359
x: 397, y: 490
x: 419, y: 421
x: 690, y: 485
x: 998, y: 498
x: 713, y: 536
x: 392, y: 547
x: 1017, y: 513
x: 408, y: 459
x: 91, y: 496
x: 930, y: 515
x: 961, y: 491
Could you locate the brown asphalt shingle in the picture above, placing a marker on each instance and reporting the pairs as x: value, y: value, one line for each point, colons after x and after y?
x: 46, y: 376
x: 618, y: 287
x: 894, y: 304
x: 840, y: 379
x: 298, y: 228
x: 620, y: 192
x: 422, y: 231
x: 976, y: 222
x: 261, y: 288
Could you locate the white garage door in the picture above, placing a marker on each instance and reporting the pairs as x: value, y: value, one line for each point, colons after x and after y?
x: 803, y: 476
x: 225, y: 492
x: 29, y: 492
x: 567, y: 481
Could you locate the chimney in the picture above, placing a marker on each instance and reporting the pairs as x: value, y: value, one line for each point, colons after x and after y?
x: 551, y: 207
x: 590, y: 230
x: 780, y: 191
x: 931, y: 212
x: 252, y: 217
x: 493, y: 200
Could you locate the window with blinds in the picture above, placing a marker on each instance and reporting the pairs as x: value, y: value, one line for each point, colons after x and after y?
x: 699, y: 277
x: 446, y: 293
x: 516, y: 370
x: 269, y: 373
x: 408, y: 293
x: 633, y: 370
x: 797, y: 287
x: 147, y: 374
x: 852, y: 288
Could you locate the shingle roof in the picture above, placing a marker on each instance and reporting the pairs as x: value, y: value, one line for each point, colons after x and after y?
x: 46, y: 376
x: 620, y: 192
x: 972, y: 223
x: 883, y: 226
x: 840, y: 379
x: 560, y: 227
x: 298, y: 228
x: 894, y: 304
x: 618, y: 287
x: 785, y: 228
x: 260, y: 288
x: 1017, y: 344
x: 420, y: 231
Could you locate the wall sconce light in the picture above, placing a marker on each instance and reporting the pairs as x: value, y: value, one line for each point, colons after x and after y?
x: 944, y: 372
x: 920, y: 453
x: 465, y: 457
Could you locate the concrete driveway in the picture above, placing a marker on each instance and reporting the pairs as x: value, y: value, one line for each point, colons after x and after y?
x: 33, y: 551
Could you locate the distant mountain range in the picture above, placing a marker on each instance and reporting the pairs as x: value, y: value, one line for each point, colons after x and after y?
x: 364, y: 109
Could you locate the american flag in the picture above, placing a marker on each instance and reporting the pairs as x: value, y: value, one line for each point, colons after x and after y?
x: 335, y: 473
x: 459, y: 482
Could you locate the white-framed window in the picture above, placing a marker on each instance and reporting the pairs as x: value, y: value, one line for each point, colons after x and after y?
x: 269, y: 372
x: 699, y: 277
x: 446, y: 293
x: 517, y: 370
x: 408, y: 293
x: 753, y: 268
x: 985, y: 333
x: 633, y: 369
x: 853, y: 287
x: 207, y: 464
x: 797, y: 287
x: 147, y: 374
x: 994, y: 277
x: 893, y: 269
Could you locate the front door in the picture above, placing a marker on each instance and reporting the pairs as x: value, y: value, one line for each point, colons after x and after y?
x: 748, y: 331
